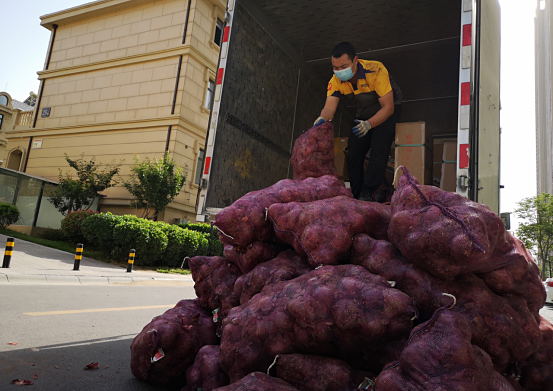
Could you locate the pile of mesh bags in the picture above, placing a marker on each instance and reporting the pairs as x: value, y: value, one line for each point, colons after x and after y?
x: 320, y: 292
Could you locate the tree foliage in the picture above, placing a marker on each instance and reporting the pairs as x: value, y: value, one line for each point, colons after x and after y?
x: 91, y: 178
x: 536, y: 231
x: 154, y: 184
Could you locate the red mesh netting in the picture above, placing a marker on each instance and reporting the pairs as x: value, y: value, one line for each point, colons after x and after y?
x: 339, y: 311
x: 323, y: 230
x: 246, y: 258
x: 439, y: 356
x: 503, y: 327
x: 316, y: 373
x: 287, y: 266
x: 245, y: 222
x: 521, y: 277
x: 214, y: 279
x: 206, y: 374
x: 537, y: 374
x: 167, y: 345
x: 444, y: 232
x: 258, y: 381
x: 313, y: 153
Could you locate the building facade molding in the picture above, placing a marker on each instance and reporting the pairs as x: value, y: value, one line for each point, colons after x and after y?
x: 156, y: 122
x: 185, y: 50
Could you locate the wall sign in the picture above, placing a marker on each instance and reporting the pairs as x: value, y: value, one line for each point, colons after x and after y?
x: 37, y: 144
x: 45, y: 112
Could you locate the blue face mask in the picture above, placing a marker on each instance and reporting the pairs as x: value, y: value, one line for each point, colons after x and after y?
x: 344, y: 74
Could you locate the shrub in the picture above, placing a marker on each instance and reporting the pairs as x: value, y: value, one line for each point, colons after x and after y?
x: 71, y: 225
x: 9, y: 214
x: 56, y: 235
x: 146, y: 237
x: 199, y: 227
x: 98, y: 230
x: 182, y: 243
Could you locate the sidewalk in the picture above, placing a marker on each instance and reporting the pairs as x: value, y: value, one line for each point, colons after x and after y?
x: 35, y: 264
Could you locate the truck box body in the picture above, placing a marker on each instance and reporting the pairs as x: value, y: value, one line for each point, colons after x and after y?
x: 275, y: 68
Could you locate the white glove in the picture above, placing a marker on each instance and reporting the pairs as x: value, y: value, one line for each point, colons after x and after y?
x: 362, y: 128
x: 319, y: 121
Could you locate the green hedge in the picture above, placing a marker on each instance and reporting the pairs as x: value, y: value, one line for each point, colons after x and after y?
x: 156, y: 243
x: 199, y: 227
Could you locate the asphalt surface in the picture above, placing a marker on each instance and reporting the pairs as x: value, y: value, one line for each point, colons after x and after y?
x: 56, y: 346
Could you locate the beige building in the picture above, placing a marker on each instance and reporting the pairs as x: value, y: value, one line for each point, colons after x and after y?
x: 13, y: 115
x: 125, y: 77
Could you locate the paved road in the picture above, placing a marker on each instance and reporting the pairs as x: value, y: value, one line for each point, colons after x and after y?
x: 57, y: 346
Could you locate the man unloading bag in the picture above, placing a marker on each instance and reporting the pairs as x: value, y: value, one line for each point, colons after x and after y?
x: 377, y: 99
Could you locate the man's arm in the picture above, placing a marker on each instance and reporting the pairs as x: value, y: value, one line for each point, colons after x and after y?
x: 386, y: 110
x: 330, y: 108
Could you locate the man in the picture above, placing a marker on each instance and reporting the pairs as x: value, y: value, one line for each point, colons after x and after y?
x: 377, y: 100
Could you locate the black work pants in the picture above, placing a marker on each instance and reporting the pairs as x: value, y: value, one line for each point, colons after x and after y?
x: 379, y: 141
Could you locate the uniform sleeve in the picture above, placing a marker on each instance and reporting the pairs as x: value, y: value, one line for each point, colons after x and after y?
x: 333, y: 88
x: 382, y: 82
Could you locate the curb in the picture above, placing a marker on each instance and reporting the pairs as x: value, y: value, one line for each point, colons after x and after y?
x: 30, y: 279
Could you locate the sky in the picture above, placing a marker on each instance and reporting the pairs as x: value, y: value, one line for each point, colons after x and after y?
x: 27, y: 43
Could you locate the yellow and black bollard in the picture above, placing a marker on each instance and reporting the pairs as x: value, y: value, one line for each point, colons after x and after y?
x: 131, y: 260
x: 78, y: 256
x: 8, y: 253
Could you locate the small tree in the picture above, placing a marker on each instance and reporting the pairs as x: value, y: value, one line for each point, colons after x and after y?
x: 536, y: 232
x: 9, y: 214
x: 77, y: 194
x: 154, y: 184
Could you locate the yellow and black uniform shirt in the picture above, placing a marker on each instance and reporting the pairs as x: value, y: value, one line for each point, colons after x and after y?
x: 373, y: 82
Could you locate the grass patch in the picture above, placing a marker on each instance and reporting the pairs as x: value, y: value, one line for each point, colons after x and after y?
x: 89, y: 251
x: 174, y: 271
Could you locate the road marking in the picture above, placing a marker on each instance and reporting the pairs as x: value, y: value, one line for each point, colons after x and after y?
x: 96, y: 310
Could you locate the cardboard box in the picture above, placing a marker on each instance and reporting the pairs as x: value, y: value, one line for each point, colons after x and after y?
x: 340, y: 144
x: 437, y: 164
x: 449, y: 167
x: 414, y: 150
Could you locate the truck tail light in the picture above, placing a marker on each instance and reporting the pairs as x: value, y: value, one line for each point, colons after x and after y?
x: 550, y: 284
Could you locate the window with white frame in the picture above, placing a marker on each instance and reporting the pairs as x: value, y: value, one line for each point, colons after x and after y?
x: 219, y: 27
x: 200, y: 165
x: 209, y: 94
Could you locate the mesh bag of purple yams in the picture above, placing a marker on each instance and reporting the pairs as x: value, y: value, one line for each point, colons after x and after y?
x: 245, y: 221
x: 444, y: 232
x: 286, y: 266
x: 439, y: 356
x: 313, y: 153
x: 317, y: 373
x: 258, y: 381
x: 206, y: 374
x: 167, y: 346
x: 247, y: 258
x: 323, y: 230
x: 339, y: 311
x: 214, y: 279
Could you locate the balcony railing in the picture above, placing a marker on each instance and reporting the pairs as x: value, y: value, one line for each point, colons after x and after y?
x: 24, y: 118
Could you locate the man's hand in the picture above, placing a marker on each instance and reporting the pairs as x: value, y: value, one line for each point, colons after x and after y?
x: 362, y: 128
x: 319, y: 121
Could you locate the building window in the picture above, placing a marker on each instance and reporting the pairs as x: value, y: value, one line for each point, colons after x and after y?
x: 200, y: 166
x: 542, y: 5
x: 209, y: 94
x: 220, y: 26
x: 1, y: 120
x: 3, y: 100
